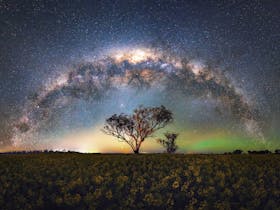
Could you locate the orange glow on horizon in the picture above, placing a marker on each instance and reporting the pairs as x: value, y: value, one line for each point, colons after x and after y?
x: 93, y: 140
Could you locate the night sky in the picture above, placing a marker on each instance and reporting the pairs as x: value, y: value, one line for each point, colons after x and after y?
x: 66, y: 66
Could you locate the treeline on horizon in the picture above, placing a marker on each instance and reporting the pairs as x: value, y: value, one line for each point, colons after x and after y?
x: 238, y: 151
x: 235, y: 152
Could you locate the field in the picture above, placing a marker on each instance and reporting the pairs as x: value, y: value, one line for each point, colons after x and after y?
x: 154, y: 181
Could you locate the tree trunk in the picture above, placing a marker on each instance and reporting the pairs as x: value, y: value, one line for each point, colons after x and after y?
x: 136, y: 151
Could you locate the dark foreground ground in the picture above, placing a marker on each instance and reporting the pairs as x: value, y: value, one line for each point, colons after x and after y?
x: 156, y: 181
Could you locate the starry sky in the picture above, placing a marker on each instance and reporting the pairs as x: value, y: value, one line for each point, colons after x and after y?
x: 65, y: 66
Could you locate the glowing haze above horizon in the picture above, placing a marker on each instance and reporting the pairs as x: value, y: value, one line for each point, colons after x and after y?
x: 66, y: 67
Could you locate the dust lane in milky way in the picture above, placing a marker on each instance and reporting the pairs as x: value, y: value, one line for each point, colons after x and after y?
x: 80, y: 97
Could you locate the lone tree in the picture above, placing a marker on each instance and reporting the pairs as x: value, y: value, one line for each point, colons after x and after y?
x: 169, y: 143
x: 134, y: 129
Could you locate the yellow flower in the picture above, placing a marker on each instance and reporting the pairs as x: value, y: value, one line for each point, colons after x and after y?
x: 109, y: 195
x: 98, y: 179
x: 97, y: 193
x: 175, y: 184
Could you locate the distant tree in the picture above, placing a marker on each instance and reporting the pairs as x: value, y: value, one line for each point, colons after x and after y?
x: 237, y: 152
x: 134, y: 129
x: 169, y: 143
x: 267, y: 152
x: 260, y: 152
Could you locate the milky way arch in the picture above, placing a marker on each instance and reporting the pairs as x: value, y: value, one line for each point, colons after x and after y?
x: 139, y: 69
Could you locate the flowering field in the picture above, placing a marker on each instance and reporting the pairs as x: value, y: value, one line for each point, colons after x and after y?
x: 157, y: 181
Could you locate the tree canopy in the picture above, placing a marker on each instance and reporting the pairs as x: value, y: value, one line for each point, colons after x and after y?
x: 134, y: 129
x: 169, y: 143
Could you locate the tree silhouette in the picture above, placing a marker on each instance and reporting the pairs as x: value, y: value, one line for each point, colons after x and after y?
x: 134, y: 129
x: 169, y: 143
x: 237, y: 152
